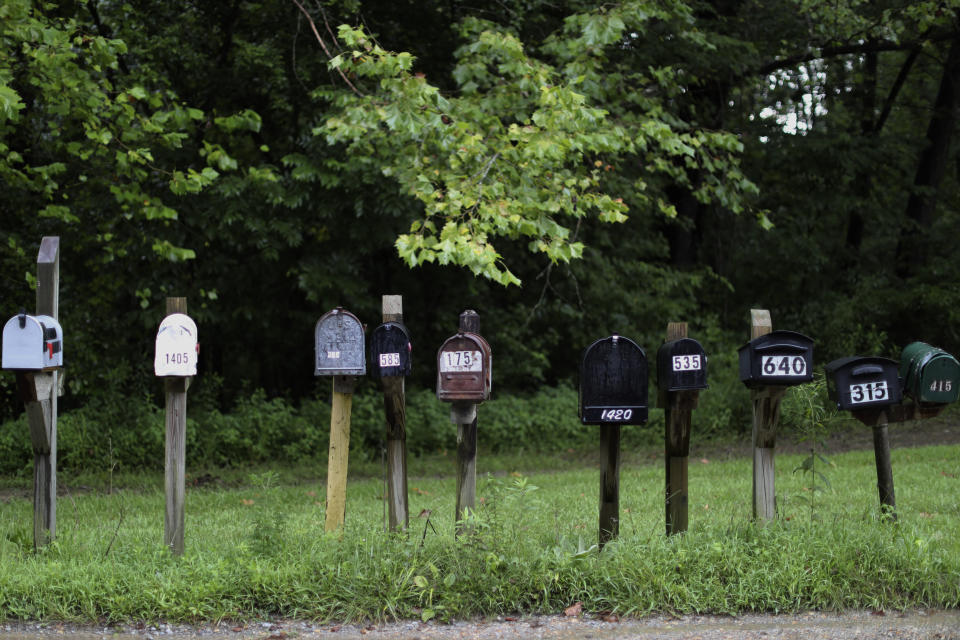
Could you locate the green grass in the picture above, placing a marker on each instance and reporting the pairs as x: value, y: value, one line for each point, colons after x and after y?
x: 257, y: 548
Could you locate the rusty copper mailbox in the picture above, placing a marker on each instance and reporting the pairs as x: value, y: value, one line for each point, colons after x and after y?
x: 464, y: 371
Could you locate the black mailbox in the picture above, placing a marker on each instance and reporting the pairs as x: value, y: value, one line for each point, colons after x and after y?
x: 780, y: 358
x: 390, y: 350
x: 863, y: 383
x: 681, y: 365
x: 613, y: 382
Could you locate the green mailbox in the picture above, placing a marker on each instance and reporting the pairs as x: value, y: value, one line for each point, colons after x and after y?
x: 930, y: 375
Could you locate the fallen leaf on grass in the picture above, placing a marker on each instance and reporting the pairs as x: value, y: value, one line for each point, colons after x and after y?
x: 420, y: 492
x: 924, y: 514
x: 247, y: 502
x: 573, y: 610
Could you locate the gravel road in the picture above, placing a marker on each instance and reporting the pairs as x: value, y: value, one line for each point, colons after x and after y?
x: 859, y: 625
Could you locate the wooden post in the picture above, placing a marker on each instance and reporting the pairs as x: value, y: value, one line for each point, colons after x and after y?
x: 339, y: 454
x: 766, y: 415
x: 464, y: 415
x: 678, y: 409
x: 881, y: 452
x: 39, y: 392
x: 394, y: 405
x: 609, y: 483
x: 176, y: 450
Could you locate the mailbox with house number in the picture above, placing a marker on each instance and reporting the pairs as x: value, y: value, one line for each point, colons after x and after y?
x: 613, y: 382
x: 464, y: 369
x: 177, y: 348
x: 857, y: 383
x: 32, y: 343
x: 390, y: 350
x: 931, y: 376
x: 681, y: 365
x: 779, y: 358
x: 340, y: 345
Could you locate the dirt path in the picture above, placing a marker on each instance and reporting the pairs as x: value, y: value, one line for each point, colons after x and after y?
x: 911, y: 625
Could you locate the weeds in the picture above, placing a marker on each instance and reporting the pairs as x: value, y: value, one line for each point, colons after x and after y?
x: 812, y: 417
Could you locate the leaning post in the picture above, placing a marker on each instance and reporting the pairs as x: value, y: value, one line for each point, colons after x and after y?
x: 39, y: 390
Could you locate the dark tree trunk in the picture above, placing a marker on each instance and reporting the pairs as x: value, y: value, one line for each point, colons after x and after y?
x: 931, y: 167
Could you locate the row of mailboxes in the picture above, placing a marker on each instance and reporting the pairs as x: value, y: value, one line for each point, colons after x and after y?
x: 929, y: 375
x: 32, y: 343
x: 613, y: 377
x: 464, y: 361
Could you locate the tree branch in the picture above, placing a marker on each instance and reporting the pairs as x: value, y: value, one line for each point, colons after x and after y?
x: 323, y: 45
x: 847, y: 49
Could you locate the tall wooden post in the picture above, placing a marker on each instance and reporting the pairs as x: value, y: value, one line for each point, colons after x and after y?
x: 339, y: 454
x: 394, y: 405
x: 766, y: 415
x: 39, y: 391
x: 609, y: 483
x: 465, y: 416
x: 176, y: 450
x: 678, y: 409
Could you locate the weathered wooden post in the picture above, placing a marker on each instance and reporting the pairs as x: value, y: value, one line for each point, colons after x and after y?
x: 33, y: 348
x: 390, y: 357
x: 681, y: 373
x: 613, y: 392
x: 340, y: 353
x: 175, y: 360
x: 769, y: 363
x: 465, y: 378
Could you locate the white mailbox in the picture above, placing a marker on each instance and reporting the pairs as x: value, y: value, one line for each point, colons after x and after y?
x: 32, y: 343
x: 177, y: 347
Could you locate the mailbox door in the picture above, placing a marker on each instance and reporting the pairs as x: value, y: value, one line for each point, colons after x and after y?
x: 390, y: 350
x: 176, y: 346
x: 930, y: 375
x: 613, y: 382
x: 681, y: 365
x: 340, y: 345
x: 779, y: 358
x: 464, y: 365
x: 864, y: 383
x: 23, y: 344
x: 939, y: 380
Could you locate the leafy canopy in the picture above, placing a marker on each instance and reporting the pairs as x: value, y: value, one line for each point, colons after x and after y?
x: 526, y: 145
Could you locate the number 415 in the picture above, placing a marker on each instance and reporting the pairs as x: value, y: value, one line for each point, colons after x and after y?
x: 942, y: 385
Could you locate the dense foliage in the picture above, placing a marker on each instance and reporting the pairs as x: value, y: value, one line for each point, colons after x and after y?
x: 567, y: 169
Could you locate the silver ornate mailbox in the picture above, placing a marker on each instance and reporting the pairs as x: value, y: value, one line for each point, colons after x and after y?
x: 340, y: 345
x: 32, y: 343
